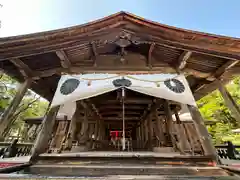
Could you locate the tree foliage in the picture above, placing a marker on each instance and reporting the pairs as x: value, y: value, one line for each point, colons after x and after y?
x: 213, y: 108
x: 32, y: 105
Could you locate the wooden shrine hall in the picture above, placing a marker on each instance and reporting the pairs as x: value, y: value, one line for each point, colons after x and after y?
x: 121, y: 51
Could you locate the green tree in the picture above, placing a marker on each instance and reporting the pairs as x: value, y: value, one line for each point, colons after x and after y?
x: 32, y: 105
x: 213, y: 108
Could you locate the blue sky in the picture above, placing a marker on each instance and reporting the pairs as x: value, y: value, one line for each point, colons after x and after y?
x: 28, y: 16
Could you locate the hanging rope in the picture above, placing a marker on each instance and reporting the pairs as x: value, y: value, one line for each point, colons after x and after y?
x: 128, y: 76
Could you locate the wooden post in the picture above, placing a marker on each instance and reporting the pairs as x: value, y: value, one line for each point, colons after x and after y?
x: 72, y: 130
x: 142, y: 135
x: 180, y: 133
x: 84, y: 129
x: 96, y: 129
x: 160, y: 133
x: 169, y: 122
x: 229, y: 101
x: 6, y: 120
x: 41, y: 143
x: 145, y: 132
x: 150, y: 131
x: 205, y: 139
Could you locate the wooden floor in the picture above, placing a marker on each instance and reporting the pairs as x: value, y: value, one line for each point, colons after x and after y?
x: 114, y: 154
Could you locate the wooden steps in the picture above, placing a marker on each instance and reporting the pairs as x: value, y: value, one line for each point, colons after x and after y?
x: 99, y: 164
x: 117, y: 177
x: 104, y: 170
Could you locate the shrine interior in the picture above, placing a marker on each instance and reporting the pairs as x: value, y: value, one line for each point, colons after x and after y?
x: 147, y: 123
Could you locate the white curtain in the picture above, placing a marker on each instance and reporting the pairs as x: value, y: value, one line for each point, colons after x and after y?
x: 90, y: 85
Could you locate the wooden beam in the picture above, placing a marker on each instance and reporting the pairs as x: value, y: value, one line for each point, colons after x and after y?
x: 182, y: 60
x: 115, y: 69
x: 222, y: 70
x: 23, y: 68
x: 202, y: 131
x: 150, y: 130
x: 120, y: 118
x: 94, y: 53
x: 229, y: 101
x: 120, y: 107
x: 149, y: 60
x: 104, y: 113
x: 169, y: 122
x: 151, y: 107
x: 127, y: 101
x: 65, y: 62
x: 41, y: 143
x: 5, y: 119
x: 160, y: 129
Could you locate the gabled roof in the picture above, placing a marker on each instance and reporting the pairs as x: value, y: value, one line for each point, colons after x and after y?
x: 100, y: 46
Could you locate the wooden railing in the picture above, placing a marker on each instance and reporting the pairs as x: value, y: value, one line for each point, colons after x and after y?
x: 22, y: 149
x: 225, y: 152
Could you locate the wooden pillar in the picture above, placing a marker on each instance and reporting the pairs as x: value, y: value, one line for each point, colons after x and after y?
x: 205, y: 139
x: 150, y: 131
x: 96, y: 129
x: 25, y: 132
x: 169, y: 122
x: 145, y: 131
x: 83, y: 136
x: 6, y: 120
x: 91, y: 130
x: 41, y: 143
x: 72, y: 131
x: 229, y: 101
x: 142, y: 135
x: 180, y: 133
x: 159, y: 127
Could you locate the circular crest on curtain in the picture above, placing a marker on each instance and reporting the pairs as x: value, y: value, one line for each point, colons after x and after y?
x: 122, y: 82
x: 175, y: 85
x: 69, y: 86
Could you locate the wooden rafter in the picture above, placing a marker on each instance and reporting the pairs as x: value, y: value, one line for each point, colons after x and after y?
x: 129, y: 101
x: 142, y: 70
x: 23, y: 68
x: 182, y: 60
x: 220, y: 71
x: 217, y: 74
x: 118, y: 112
x: 65, y: 62
x: 94, y: 53
x: 149, y: 60
x: 120, y: 118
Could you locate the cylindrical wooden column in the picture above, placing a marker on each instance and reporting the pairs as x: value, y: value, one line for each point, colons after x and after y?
x: 6, y: 120
x: 41, y: 144
x: 203, y: 132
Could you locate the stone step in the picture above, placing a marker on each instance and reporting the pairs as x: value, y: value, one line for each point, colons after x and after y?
x: 105, y: 170
x: 117, y: 177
